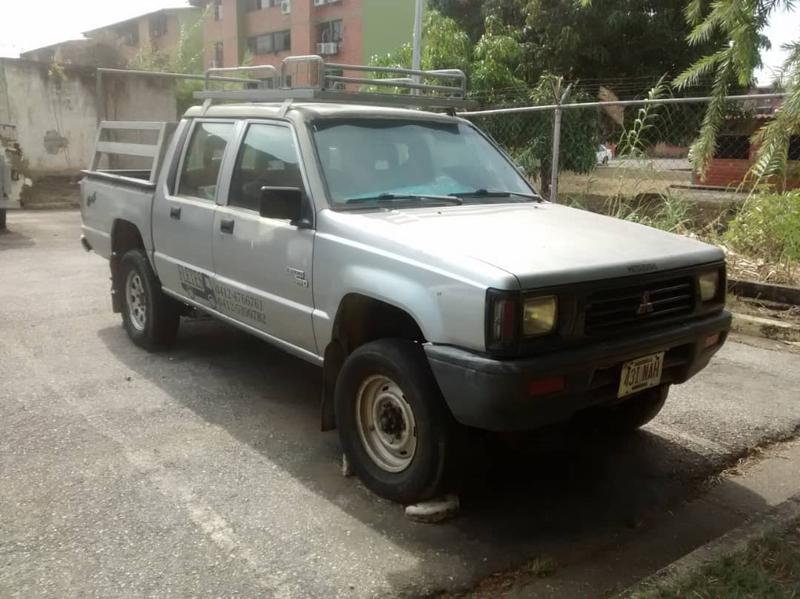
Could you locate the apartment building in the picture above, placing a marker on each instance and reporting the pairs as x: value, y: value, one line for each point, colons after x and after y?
x: 158, y: 30
x: 344, y: 31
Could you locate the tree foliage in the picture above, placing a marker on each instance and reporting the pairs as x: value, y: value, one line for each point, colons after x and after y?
x: 626, y: 44
x: 741, y: 24
x: 185, y: 58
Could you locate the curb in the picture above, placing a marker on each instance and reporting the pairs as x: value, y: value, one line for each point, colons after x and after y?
x: 768, y: 328
x: 774, y: 520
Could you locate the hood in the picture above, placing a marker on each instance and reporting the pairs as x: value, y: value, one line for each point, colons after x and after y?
x: 541, y: 244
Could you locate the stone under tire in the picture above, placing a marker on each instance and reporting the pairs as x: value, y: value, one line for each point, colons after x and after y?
x: 436, y: 434
x: 158, y: 328
x: 636, y: 411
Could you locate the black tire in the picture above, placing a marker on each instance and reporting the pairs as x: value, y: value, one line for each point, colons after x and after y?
x: 2, y: 220
x: 158, y: 327
x: 634, y: 412
x: 438, y: 437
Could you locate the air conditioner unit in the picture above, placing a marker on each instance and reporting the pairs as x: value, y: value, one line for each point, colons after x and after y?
x: 319, y: 2
x: 327, y: 48
x: 286, y: 6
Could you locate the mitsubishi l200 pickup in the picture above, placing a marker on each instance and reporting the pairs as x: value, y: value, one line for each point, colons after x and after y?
x: 403, y: 252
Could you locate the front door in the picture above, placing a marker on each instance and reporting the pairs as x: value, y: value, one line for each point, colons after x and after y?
x: 183, y: 220
x: 263, y: 265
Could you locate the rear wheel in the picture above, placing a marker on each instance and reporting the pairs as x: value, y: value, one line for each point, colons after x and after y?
x: 395, y: 428
x: 150, y: 317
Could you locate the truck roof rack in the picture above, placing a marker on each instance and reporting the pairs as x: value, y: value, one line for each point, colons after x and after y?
x: 311, y: 79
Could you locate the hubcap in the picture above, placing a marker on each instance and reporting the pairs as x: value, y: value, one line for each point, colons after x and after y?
x: 386, y: 423
x: 137, y: 303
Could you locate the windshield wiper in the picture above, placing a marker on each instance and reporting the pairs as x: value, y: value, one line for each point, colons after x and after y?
x: 419, y: 198
x: 485, y: 193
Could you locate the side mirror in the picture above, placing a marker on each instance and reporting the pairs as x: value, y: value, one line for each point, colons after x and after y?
x: 285, y: 203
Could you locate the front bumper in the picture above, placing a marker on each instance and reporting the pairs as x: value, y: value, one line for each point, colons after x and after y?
x: 493, y: 394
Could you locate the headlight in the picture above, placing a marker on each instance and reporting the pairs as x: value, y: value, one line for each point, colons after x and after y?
x: 539, y: 315
x: 709, y: 285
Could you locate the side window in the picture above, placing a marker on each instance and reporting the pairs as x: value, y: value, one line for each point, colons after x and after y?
x: 268, y: 157
x: 203, y: 160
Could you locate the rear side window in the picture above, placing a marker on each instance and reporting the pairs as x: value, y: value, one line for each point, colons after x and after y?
x: 203, y: 160
x: 267, y: 158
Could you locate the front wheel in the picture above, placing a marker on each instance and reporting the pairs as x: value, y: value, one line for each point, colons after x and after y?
x: 394, y: 426
x: 634, y: 412
x: 150, y: 317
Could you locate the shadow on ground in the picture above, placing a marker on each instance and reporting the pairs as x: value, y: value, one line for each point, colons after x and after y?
x: 10, y: 239
x: 560, y: 494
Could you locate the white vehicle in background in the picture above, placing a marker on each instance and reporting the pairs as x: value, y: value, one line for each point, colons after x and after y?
x: 405, y: 254
x: 603, y: 155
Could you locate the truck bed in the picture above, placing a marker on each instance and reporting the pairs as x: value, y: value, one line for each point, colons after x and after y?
x: 112, y: 194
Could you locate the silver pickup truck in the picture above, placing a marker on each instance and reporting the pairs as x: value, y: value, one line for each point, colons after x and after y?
x: 403, y: 252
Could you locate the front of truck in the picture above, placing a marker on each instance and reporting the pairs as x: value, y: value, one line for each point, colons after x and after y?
x: 531, y: 311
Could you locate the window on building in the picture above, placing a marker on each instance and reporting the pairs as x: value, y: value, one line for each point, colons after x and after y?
x: 158, y: 25
x: 268, y: 157
x: 282, y: 41
x: 219, y: 54
x: 331, y: 31
x: 217, y: 10
x: 129, y: 34
x: 203, y: 158
x: 794, y: 148
x: 276, y: 41
x: 736, y: 147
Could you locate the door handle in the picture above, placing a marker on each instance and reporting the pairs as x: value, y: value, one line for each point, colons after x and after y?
x: 226, y: 226
x: 175, y: 212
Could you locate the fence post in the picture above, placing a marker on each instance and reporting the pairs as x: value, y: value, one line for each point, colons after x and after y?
x: 557, y: 145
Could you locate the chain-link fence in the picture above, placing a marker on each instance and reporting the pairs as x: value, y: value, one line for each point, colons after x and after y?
x: 601, y: 154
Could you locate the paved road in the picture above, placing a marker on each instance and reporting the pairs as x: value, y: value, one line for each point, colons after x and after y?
x: 202, y: 472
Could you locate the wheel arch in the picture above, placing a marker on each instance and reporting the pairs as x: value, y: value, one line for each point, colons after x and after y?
x: 360, y: 319
x: 125, y: 236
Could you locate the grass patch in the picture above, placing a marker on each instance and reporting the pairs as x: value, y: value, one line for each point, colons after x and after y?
x: 767, y: 225
x: 768, y: 568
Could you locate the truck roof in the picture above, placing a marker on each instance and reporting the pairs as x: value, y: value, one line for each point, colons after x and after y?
x: 314, y: 111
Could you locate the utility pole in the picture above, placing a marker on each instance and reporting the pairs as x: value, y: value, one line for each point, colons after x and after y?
x: 416, y: 55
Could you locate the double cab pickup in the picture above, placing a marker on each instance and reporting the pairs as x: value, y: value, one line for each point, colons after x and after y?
x: 403, y: 252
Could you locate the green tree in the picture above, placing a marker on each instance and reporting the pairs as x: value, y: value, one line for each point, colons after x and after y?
x: 741, y: 23
x: 624, y: 44
x: 444, y: 46
x: 186, y: 58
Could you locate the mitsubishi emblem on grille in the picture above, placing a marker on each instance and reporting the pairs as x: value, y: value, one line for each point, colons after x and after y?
x: 646, y: 306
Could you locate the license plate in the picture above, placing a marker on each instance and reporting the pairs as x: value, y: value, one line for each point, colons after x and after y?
x: 641, y: 373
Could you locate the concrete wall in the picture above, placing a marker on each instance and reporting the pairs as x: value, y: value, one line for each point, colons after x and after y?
x: 55, y: 111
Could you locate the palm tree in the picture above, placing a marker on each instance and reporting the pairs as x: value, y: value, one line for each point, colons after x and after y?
x: 741, y: 23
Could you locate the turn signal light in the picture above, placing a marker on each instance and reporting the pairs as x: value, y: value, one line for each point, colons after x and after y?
x: 545, y: 386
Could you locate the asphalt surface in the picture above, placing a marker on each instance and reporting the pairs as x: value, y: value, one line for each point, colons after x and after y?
x: 202, y: 471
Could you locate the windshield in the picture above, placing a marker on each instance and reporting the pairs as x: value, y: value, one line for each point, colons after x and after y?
x: 377, y: 160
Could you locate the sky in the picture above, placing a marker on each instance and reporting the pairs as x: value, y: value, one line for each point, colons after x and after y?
x: 28, y: 24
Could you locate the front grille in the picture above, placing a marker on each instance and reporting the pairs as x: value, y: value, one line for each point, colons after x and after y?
x: 624, y: 308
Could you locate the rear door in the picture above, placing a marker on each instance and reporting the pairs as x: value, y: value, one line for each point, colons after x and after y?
x: 263, y: 265
x: 183, y: 219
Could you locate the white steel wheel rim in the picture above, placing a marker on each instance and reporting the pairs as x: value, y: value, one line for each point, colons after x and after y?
x: 386, y: 423
x: 136, y: 300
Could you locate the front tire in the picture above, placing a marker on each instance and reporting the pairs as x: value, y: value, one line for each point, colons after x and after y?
x: 394, y: 426
x: 635, y: 411
x: 150, y: 318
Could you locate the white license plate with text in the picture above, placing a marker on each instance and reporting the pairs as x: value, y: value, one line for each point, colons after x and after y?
x: 640, y: 374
